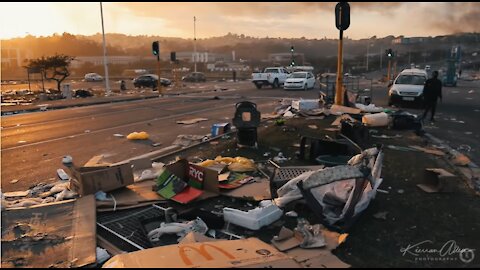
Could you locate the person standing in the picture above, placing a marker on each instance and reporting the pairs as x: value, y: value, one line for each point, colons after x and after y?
x: 432, y: 91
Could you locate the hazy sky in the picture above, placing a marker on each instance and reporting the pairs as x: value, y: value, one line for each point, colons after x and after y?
x: 259, y: 19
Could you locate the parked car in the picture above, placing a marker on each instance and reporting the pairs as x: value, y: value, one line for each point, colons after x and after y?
x: 150, y: 81
x: 93, y: 77
x: 300, y: 80
x: 407, y: 87
x: 194, y: 77
x: 82, y: 93
x: 274, y: 76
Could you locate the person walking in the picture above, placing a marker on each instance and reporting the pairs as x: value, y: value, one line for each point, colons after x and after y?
x: 432, y: 91
x: 123, y: 85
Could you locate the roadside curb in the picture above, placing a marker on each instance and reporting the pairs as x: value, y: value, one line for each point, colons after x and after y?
x: 37, y: 109
x: 471, y: 172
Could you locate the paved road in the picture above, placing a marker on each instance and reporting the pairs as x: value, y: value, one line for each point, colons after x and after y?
x: 34, y: 143
x: 457, y: 117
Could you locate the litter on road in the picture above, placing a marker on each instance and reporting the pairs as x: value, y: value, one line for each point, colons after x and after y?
x: 191, y: 121
x: 138, y: 136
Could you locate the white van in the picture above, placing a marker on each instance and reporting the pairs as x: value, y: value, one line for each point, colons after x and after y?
x: 407, y: 87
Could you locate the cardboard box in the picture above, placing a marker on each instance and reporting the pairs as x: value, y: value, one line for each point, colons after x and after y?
x: 59, y: 235
x: 89, y: 180
x: 305, y: 104
x: 202, y: 182
x: 244, y: 253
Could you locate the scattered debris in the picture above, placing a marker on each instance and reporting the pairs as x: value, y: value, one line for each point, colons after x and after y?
x: 67, y: 160
x: 339, y: 110
x: 180, y: 229
x: 291, y: 214
x: 102, y: 255
x: 436, y: 180
x: 313, y: 126
x: 268, y: 116
x: 381, y: 215
x: 14, y: 181
x: 156, y: 144
x: 280, y: 158
x: 87, y: 131
x: 337, y: 121
x: 400, y: 191
x: 464, y: 147
x: 371, y: 108
x: 191, y: 121
x: 401, y: 148
x: 383, y: 136
x: 376, y: 120
x: 21, y: 141
x: 119, y: 135
x: 62, y: 175
x: 305, y: 104
x: 254, y: 219
x: 188, y: 140
x: 460, y: 160
x: 428, y: 150
x: 138, y: 136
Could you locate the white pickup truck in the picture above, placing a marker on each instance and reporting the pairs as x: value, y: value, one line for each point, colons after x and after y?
x: 274, y: 76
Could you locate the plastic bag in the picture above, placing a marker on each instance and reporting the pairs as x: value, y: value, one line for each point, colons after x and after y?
x: 138, y: 136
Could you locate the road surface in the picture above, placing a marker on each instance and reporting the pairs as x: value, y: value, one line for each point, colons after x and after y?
x: 33, y: 144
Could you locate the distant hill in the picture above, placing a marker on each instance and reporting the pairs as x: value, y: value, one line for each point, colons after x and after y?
x: 245, y: 47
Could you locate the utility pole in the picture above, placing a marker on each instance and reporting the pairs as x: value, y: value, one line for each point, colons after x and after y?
x: 195, y: 43
x: 107, y: 83
x: 381, y: 57
x: 368, y: 46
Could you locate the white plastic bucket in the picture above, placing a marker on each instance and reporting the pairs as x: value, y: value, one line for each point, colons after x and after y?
x: 376, y: 119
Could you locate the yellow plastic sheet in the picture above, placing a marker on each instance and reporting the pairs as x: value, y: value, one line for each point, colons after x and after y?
x: 138, y: 136
x: 237, y: 164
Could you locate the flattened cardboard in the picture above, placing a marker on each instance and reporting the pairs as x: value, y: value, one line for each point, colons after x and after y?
x: 338, y: 109
x: 95, y: 162
x: 242, y: 253
x: 194, y: 237
x: 136, y: 194
x: 89, y: 180
x: 428, y: 150
x: 257, y: 191
x: 59, y: 234
x: 191, y: 121
x: 435, y: 180
x: 324, y: 259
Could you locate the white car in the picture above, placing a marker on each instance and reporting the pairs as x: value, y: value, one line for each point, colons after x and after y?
x: 93, y: 77
x: 408, y: 87
x: 300, y: 80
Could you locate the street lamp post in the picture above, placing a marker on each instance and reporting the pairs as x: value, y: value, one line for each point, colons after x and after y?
x: 368, y: 46
x: 107, y: 83
x: 194, y: 43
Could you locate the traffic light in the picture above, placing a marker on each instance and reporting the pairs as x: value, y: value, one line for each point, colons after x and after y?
x: 342, y: 19
x: 293, y: 63
x: 389, y: 53
x: 173, y: 56
x: 291, y: 49
x: 156, y: 48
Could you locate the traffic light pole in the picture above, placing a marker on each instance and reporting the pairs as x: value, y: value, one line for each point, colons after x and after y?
x: 388, y: 70
x: 339, y: 84
x: 160, y: 92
